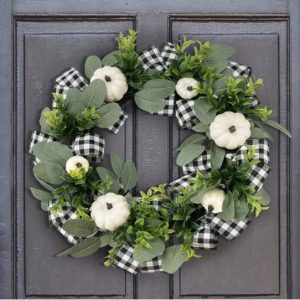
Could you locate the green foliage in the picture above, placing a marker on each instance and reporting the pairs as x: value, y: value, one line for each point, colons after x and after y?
x: 80, y: 227
x: 173, y: 258
x: 92, y: 63
x: 109, y: 115
x: 157, y: 247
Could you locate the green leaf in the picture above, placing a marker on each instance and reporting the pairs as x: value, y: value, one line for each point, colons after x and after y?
x: 44, y: 205
x: 259, y: 133
x: 92, y: 63
x: 264, y: 197
x: 149, y: 100
x: 221, y: 84
x: 145, y: 254
x: 173, y: 258
x: 204, y: 111
x: 44, y: 126
x: 110, y: 58
x: 200, y: 127
x: 189, y: 153
x: 45, y: 185
x: 49, y: 172
x: 41, y: 195
x: 109, y: 115
x: 94, y: 94
x: 105, y: 173
x: 198, y: 195
x: 117, y: 164
x: 84, y: 248
x: 74, y: 103
x: 105, y: 239
x: 129, y: 176
x: 52, y: 152
x: 228, y: 212
x: 79, y: 227
x: 217, y: 155
x: 241, y: 209
x: 192, y: 139
x: 163, y: 88
x: 278, y: 127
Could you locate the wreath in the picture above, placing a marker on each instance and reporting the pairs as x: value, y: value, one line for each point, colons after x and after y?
x: 225, y: 161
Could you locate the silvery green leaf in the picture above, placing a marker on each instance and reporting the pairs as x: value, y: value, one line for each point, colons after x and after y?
x: 104, y: 174
x: 44, y: 205
x: 105, y: 239
x: 278, y: 127
x: 79, y: 227
x: 117, y: 164
x: 200, y: 128
x: 41, y: 195
x: 94, y: 94
x: 204, y: 111
x: 173, y: 258
x: 45, y: 185
x: 92, y: 63
x: 52, y: 152
x: 217, y: 155
x: 44, y: 126
x: 157, y: 248
x: 109, y: 115
x: 258, y: 133
x: 228, y: 212
x: 74, y: 103
x: 192, y: 139
x: 198, y: 195
x: 163, y: 88
x: 110, y: 58
x: 129, y: 176
x: 189, y: 153
x: 49, y: 172
x: 264, y: 197
x: 148, y: 100
x: 241, y: 209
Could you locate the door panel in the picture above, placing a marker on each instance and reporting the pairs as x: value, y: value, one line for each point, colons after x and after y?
x: 51, y: 37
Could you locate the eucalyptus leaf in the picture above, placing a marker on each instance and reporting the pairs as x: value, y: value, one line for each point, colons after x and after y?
x: 163, y: 88
x: 217, y: 155
x: 79, y: 227
x: 94, y: 94
x: 173, y: 258
x: 92, y: 63
x: 200, y: 128
x: 52, y: 152
x: 44, y: 205
x: 74, y: 103
x: 204, y: 111
x: 49, y: 172
x: 221, y: 84
x: 189, y: 153
x: 44, y: 126
x: 117, y: 164
x: 241, y: 209
x: 84, y: 248
x: 110, y: 58
x: 264, y: 197
x: 145, y: 254
x: 278, y: 127
x: 228, y: 212
x: 44, y: 184
x: 109, y: 115
x: 258, y: 133
x: 198, y: 195
x: 105, y: 173
x: 105, y: 239
x: 192, y: 139
x: 41, y: 195
x: 129, y: 176
x: 149, y: 100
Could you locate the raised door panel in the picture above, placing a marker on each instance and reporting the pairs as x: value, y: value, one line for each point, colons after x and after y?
x: 254, y: 264
x: 45, y: 50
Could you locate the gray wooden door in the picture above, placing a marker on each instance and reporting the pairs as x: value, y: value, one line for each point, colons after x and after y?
x: 39, y: 39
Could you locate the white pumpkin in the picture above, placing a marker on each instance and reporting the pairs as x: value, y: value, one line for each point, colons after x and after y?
x: 213, y: 200
x: 186, y: 88
x: 77, y: 162
x: 110, y: 211
x: 115, y: 82
x: 230, y: 130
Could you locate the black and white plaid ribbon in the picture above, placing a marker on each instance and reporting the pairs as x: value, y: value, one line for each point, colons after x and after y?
x: 91, y: 146
x: 258, y: 172
x: 205, y: 237
x: 73, y: 79
x: 184, y: 109
x: 154, y: 59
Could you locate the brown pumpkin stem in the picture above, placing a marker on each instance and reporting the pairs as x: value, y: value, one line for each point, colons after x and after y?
x: 79, y: 165
x: 210, y: 208
x: 109, y: 205
x: 107, y: 78
x: 190, y: 88
x: 232, y: 129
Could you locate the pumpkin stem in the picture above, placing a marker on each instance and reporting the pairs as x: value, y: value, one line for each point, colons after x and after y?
x: 210, y: 208
x: 190, y: 88
x: 79, y: 165
x: 107, y: 78
x: 232, y: 129
x: 109, y: 205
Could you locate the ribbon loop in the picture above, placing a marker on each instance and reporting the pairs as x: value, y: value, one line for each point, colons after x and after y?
x: 206, y: 238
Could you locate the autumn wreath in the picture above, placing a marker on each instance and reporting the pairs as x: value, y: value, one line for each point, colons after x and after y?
x: 224, y: 162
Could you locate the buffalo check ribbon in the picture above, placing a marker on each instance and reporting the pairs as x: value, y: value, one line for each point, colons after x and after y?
x: 73, y: 79
x: 156, y: 60
x: 184, y: 109
x: 91, y: 146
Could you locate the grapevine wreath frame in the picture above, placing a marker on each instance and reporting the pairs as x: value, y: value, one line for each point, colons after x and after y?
x: 225, y: 161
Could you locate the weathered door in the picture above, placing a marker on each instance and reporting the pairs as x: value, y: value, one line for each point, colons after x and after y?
x: 40, y: 39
